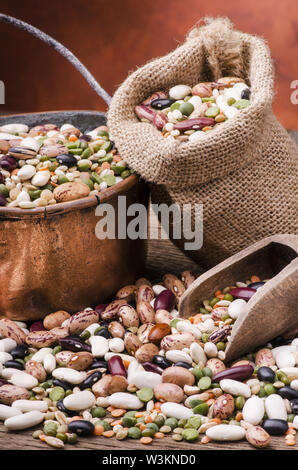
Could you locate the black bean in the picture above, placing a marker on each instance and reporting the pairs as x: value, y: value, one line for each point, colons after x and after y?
x: 20, y: 351
x: 256, y: 285
x: 62, y: 408
x: 279, y: 341
x: 14, y: 365
x: 183, y: 364
x: 91, y: 379
x: 266, y: 374
x: 67, y: 160
x: 275, y: 427
x: 287, y: 392
x: 161, y: 103
x: 74, y: 343
x: 245, y: 94
x: 81, y: 427
x: 294, y: 406
x: 86, y: 137
x: 161, y: 361
x: 63, y: 384
x: 99, y: 365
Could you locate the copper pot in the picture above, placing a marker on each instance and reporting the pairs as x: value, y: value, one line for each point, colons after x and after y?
x: 50, y: 258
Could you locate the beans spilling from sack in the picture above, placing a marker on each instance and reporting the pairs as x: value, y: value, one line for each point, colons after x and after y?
x: 132, y: 369
x: 186, y: 113
x: 47, y: 164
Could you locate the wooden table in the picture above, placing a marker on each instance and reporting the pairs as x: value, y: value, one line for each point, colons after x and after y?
x: 24, y: 441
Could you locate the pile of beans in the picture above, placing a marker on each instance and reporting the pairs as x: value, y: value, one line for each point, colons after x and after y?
x: 185, y: 113
x: 45, y: 165
x: 133, y: 369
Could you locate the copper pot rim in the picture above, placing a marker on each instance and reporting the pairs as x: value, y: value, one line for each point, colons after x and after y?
x: 78, y: 204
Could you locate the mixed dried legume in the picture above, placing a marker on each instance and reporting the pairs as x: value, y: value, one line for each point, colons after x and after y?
x: 47, y: 164
x: 185, y: 113
x: 132, y: 369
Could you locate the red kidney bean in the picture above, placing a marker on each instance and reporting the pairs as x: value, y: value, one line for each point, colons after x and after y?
x: 244, y: 293
x: 8, y: 163
x: 74, y: 343
x: 2, y: 199
x: 116, y: 366
x: 143, y: 112
x: 236, y: 373
x: 195, y: 123
x: 150, y: 367
x: 165, y: 300
x: 159, y: 121
x: 37, y: 326
x: 100, y: 308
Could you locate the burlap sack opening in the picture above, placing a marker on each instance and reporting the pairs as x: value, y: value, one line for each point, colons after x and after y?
x: 244, y: 171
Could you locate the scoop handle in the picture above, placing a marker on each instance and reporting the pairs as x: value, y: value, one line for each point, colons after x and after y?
x: 61, y: 49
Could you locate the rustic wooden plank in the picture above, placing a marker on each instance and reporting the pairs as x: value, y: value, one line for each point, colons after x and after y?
x: 24, y: 441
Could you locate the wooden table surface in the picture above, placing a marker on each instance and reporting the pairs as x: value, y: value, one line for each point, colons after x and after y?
x: 24, y: 441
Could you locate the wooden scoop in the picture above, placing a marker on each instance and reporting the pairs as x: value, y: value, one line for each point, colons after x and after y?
x: 272, y: 310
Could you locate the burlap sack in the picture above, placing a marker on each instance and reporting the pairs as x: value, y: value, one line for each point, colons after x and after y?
x: 244, y: 171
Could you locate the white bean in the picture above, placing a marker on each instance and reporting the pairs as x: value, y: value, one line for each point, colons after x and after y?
x: 275, y: 407
x: 285, y: 359
x: 235, y: 388
x: 175, y: 410
x: 23, y: 379
x: 9, y: 372
x: 70, y: 375
x: 294, y: 384
x: 237, y: 308
x: 125, y: 400
x: 116, y: 345
x: 4, y: 356
x: 41, y: 354
x: 145, y: 379
x: 30, y: 405
x: 197, y: 353
x: 7, y: 412
x: 291, y: 372
x: 79, y: 400
x: 253, y: 410
x: 24, y: 421
x: 49, y: 363
x: 175, y: 355
x: 99, y: 346
x: 7, y: 344
x: 210, y: 349
x: 226, y: 432
x: 184, y: 326
x: 295, y: 422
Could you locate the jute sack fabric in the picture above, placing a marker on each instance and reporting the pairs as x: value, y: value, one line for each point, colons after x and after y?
x: 244, y: 172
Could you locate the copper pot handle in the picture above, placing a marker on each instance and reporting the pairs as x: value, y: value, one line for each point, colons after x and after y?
x: 62, y: 50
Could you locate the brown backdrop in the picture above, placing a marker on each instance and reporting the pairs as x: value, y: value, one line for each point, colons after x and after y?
x: 113, y: 37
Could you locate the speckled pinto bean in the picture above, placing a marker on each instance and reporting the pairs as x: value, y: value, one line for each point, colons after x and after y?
x: 37, y: 370
x: 63, y: 357
x: 174, y: 284
x: 9, y: 329
x: 112, y: 310
x: 79, y: 321
x: 146, y: 312
x: 163, y: 316
x: 187, y: 278
x: 55, y: 319
x: 177, y: 341
x: 265, y: 357
x: 128, y: 316
x: 144, y: 331
x: 60, y: 332
x: 216, y: 365
x: 9, y: 393
x: 224, y: 406
x: 132, y: 343
x: 41, y: 339
x: 144, y: 293
x: 126, y: 293
x: 220, y: 335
